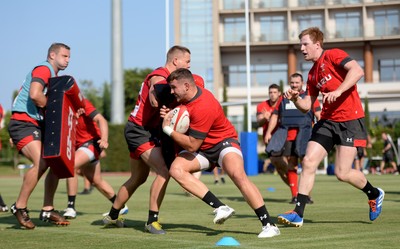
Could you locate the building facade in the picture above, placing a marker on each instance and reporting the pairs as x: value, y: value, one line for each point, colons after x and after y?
x: 215, y: 31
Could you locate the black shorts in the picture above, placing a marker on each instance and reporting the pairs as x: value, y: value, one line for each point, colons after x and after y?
x: 349, y: 133
x: 139, y: 139
x: 23, y: 133
x: 289, y: 149
x: 360, y: 153
x: 388, y: 156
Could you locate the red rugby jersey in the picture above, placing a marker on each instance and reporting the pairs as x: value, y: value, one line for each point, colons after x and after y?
x: 86, y: 128
x: 144, y: 114
x: 207, y: 120
x: 326, y: 75
x: 267, y: 106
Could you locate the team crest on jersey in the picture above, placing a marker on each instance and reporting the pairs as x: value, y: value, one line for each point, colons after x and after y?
x: 322, y: 67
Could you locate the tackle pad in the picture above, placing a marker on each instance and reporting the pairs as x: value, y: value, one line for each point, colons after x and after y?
x: 63, y: 100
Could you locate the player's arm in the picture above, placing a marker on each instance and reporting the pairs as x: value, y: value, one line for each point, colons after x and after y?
x: 188, y: 143
x: 263, y: 117
x: 152, y: 92
x: 103, y: 126
x: 37, y: 95
x: 354, y: 74
x: 273, y: 121
x: 303, y: 104
x: 39, y: 74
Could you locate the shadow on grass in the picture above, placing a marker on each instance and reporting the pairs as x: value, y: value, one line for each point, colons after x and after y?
x: 237, y: 198
x: 173, y: 227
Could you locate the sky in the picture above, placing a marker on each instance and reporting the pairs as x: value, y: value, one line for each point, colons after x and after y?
x: 29, y: 27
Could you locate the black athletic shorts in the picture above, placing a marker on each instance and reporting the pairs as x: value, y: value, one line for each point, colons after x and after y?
x: 23, y: 133
x: 139, y: 139
x: 349, y: 133
x: 289, y: 149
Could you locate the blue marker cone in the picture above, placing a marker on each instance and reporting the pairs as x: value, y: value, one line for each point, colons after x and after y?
x: 271, y: 189
x: 227, y: 241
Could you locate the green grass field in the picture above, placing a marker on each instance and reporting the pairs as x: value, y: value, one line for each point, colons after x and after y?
x: 338, y: 219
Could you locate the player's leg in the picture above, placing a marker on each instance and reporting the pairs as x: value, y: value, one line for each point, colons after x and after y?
x: 232, y: 163
x: 154, y: 159
x: 314, y: 155
x: 181, y: 170
x: 27, y: 138
x: 48, y: 214
x: 82, y: 157
x: 139, y: 173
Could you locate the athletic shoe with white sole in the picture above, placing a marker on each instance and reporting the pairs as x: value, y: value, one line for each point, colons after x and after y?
x: 108, y: 222
x: 290, y: 218
x: 375, y: 206
x: 69, y: 213
x: 123, y: 211
x: 223, y: 213
x: 154, y: 228
x: 269, y: 231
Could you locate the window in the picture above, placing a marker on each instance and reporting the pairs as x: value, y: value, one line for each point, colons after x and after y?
x: 305, y: 67
x: 261, y: 75
x: 273, y: 28
x: 389, y: 70
x: 387, y: 22
x: 348, y: 24
x: 233, y: 4
x: 234, y: 29
x: 310, y: 20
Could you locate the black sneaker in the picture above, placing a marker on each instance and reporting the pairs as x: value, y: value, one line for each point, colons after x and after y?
x: 293, y: 201
x: 22, y: 217
x: 223, y: 180
x: 216, y: 182
x: 53, y: 217
x: 310, y: 200
x: 3, y: 208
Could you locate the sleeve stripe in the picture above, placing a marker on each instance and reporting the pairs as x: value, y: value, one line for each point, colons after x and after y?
x: 39, y: 80
x: 345, y: 60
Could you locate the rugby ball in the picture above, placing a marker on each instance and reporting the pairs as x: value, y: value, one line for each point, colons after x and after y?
x: 180, y: 119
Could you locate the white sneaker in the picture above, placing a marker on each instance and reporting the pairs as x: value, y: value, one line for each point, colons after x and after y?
x: 69, y: 213
x: 124, y: 210
x: 222, y: 214
x: 269, y: 231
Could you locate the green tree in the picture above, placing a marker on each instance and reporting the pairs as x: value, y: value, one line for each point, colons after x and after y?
x: 225, y: 99
x: 367, y: 116
x: 281, y: 86
x: 106, y: 101
x: 92, y: 93
x: 133, y: 81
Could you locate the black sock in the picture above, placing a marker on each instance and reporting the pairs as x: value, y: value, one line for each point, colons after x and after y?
x: 301, y: 204
x: 112, y: 199
x: 371, y: 192
x: 71, y: 201
x: 153, y: 216
x: 212, y: 200
x: 263, y: 215
x: 114, y: 213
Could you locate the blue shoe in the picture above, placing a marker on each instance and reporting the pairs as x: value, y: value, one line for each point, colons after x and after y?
x: 375, y: 206
x: 290, y: 218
